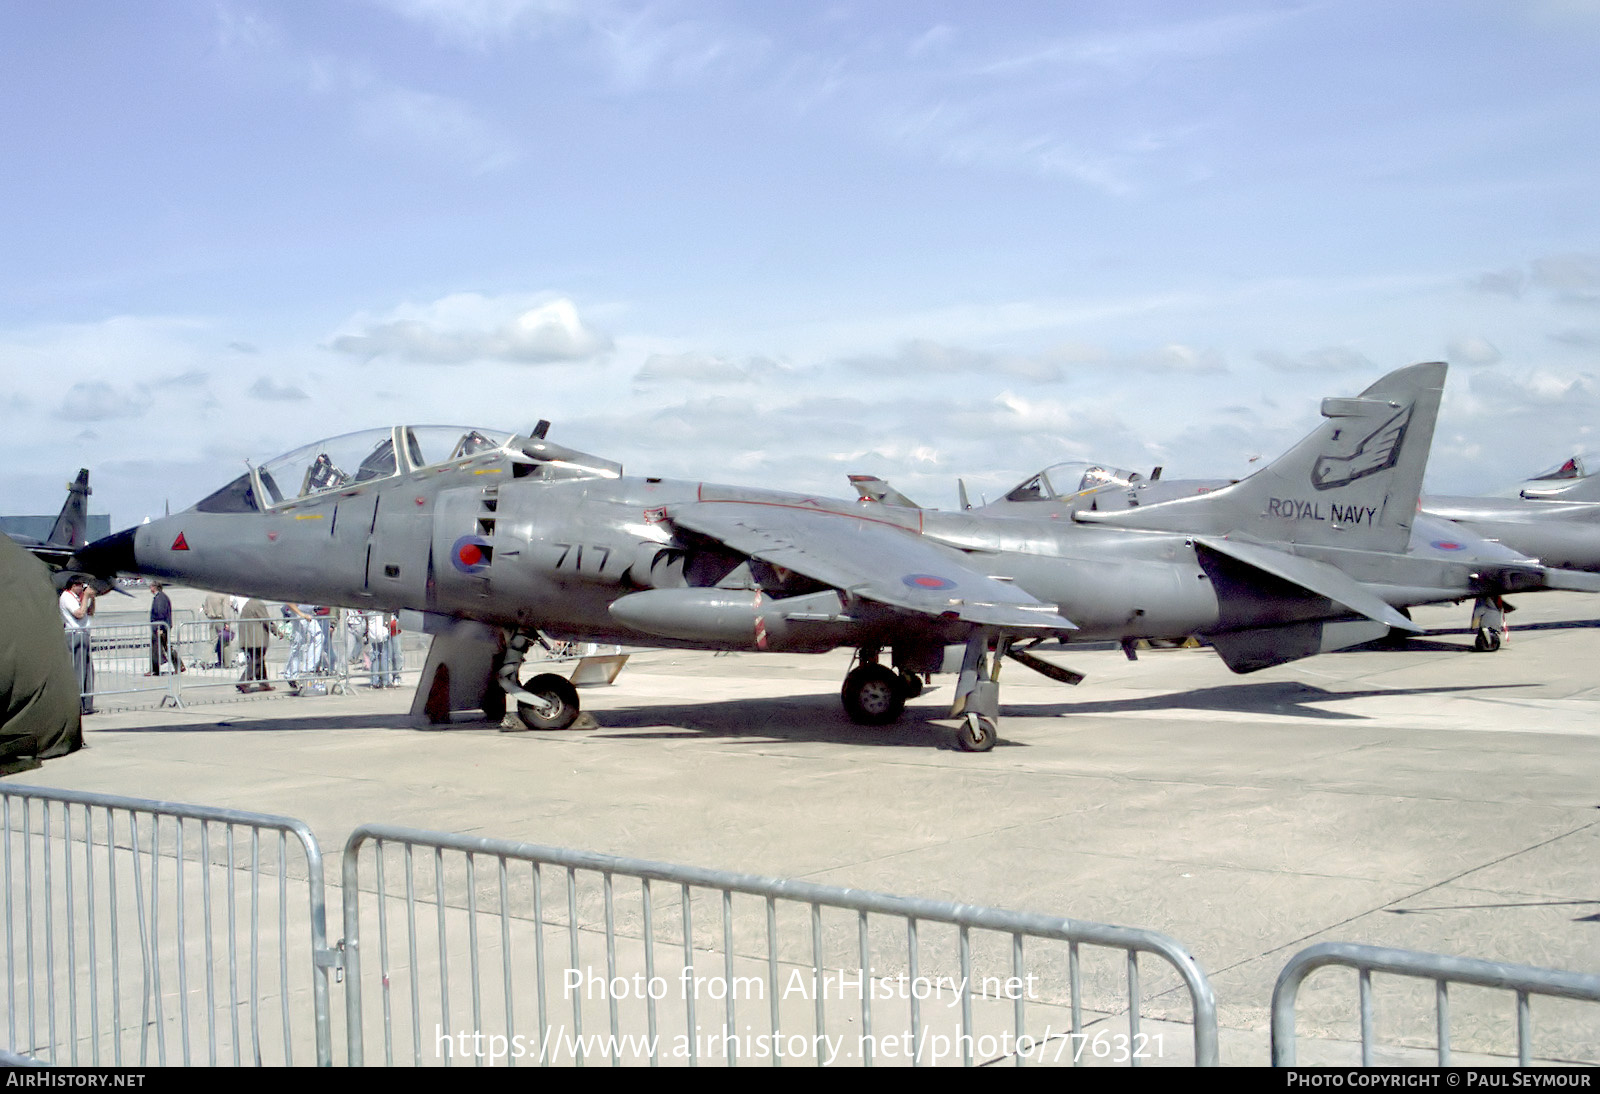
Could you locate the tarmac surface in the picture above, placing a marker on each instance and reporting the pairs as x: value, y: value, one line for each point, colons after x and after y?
x: 1425, y: 797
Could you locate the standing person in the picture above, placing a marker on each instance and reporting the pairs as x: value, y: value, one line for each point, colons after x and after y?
x: 396, y: 661
x: 77, y: 608
x: 162, y: 656
x: 383, y: 632
x: 378, y: 643
x: 254, y: 626
x: 357, y: 655
x: 219, y: 608
x: 305, y: 645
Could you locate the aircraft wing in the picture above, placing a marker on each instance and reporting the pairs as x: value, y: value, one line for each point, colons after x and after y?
x: 1313, y: 576
x: 868, y: 558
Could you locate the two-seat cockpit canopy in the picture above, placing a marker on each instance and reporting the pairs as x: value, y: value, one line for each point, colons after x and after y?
x: 374, y: 456
x: 1073, y: 479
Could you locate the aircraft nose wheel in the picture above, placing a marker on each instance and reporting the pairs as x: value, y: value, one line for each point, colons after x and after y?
x: 977, y: 733
x: 559, y: 693
x: 1488, y: 640
x: 873, y: 695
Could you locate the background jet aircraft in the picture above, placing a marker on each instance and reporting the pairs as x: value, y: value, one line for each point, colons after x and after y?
x: 1554, y: 517
x: 67, y: 534
x: 506, y: 534
x: 1067, y: 487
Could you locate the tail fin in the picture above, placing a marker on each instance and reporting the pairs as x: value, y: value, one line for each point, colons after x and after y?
x: 72, y: 523
x: 1353, y: 482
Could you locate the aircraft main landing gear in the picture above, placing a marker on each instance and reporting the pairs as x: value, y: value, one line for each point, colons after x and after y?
x: 558, y: 706
x: 874, y: 695
x: 547, y: 701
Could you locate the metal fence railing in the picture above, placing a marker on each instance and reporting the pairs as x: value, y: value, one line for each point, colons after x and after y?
x: 332, y: 655
x: 1523, y: 981
x: 140, y: 933
x: 137, y: 933
x: 131, y: 658
x: 145, y: 664
x: 493, y: 951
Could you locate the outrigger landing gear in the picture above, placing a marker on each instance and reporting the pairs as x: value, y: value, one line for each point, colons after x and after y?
x: 977, y: 701
x: 1489, y: 620
x: 547, y: 701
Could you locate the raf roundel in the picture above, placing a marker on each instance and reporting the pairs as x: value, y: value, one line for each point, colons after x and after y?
x: 1448, y: 545
x: 470, y: 554
x: 927, y: 581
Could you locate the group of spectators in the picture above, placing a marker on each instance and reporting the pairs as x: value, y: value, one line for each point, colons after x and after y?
x: 372, y: 640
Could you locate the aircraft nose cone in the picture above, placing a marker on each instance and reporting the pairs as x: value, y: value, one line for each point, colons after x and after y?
x: 107, y: 557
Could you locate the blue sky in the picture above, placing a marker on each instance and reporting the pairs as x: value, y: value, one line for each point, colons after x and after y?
x: 775, y: 243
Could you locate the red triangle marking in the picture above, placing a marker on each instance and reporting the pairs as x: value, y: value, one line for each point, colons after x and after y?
x: 180, y: 544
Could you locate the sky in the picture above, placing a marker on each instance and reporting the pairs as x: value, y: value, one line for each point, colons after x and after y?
x: 776, y: 243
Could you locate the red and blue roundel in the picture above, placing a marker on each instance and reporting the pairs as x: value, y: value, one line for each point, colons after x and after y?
x: 470, y: 554
x: 927, y: 581
x: 1449, y: 545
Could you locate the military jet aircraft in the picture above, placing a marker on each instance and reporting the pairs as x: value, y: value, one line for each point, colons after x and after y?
x: 67, y: 535
x: 1554, y: 516
x: 501, y: 535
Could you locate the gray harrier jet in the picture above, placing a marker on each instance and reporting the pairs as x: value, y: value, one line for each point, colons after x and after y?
x: 499, y: 536
x: 1554, y: 516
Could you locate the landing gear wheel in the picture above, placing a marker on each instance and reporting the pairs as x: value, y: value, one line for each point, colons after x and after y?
x: 1488, y: 640
x: 912, y: 683
x: 557, y: 690
x: 977, y: 733
x: 873, y: 695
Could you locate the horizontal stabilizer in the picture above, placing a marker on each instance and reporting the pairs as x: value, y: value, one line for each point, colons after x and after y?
x: 1315, y: 577
x: 1572, y: 581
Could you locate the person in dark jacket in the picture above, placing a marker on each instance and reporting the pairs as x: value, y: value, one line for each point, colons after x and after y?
x: 254, y: 627
x: 162, y: 655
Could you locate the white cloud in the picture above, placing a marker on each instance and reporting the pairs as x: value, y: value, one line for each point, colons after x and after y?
x: 1508, y: 282
x: 271, y: 390
x: 467, y: 327
x: 1327, y: 359
x: 1472, y: 351
x: 924, y: 357
x: 381, y: 112
x: 637, y: 46
x: 481, y: 23
x: 706, y: 368
x: 1573, y: 278
x: 443, y: 128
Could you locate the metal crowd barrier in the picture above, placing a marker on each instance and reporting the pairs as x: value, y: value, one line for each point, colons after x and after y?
x: 129, y: 922
x: 103, y: 618
x: 1524, y: 980
x: 678, y: 973
x: 137, y: 933
x: 123, y: 664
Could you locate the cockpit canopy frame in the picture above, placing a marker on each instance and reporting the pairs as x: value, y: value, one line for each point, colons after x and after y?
x: 1073, y: 479
x: 353, y: 461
